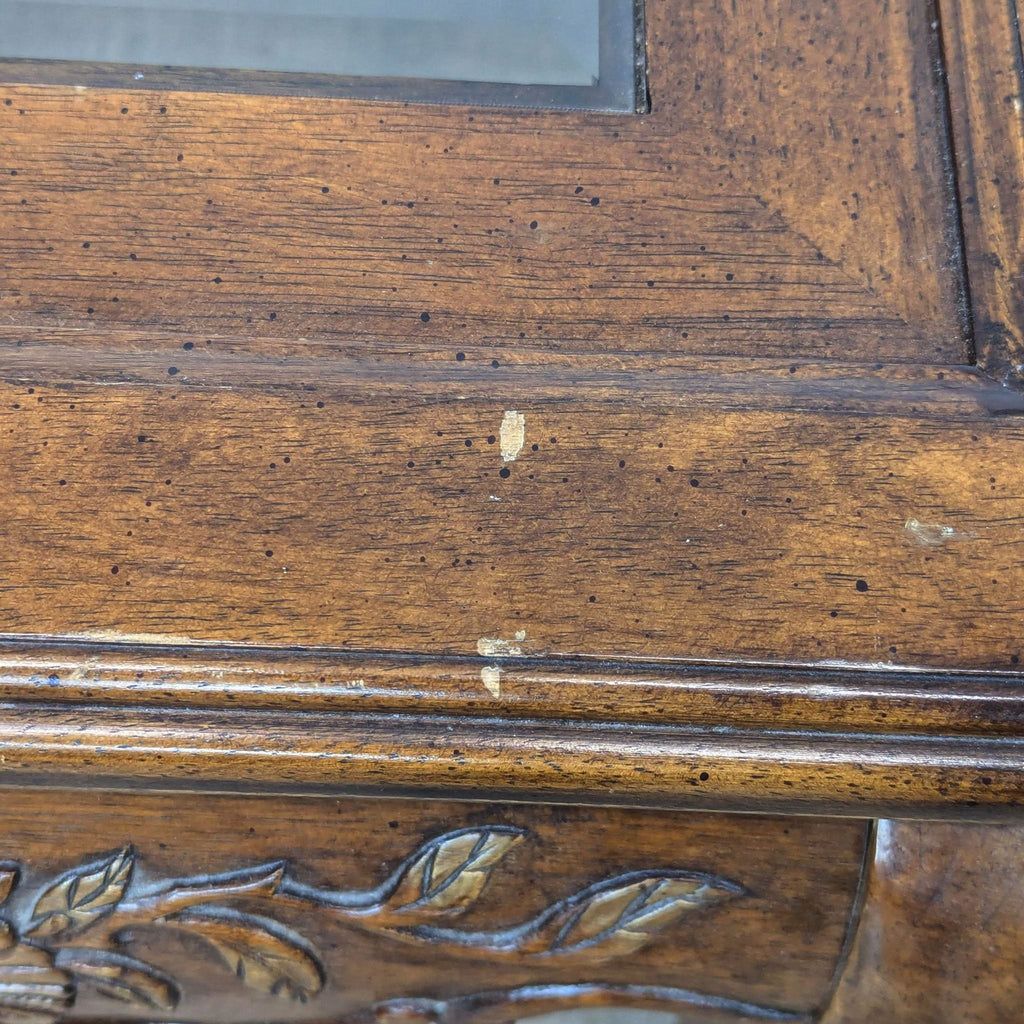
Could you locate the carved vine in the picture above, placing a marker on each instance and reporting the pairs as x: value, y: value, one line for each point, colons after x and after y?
x: 77, y: 930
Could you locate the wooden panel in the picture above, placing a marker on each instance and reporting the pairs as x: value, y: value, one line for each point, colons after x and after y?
x: 751, y: 912
x: 941, y: 937
x: 638, y: 520
x: 983, y: 47
x: 788, y: 194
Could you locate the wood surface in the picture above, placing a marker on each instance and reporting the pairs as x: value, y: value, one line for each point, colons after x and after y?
x: 363, y: 450
x: 832, y: 702
x: 983, y: 54
x: 759, y: 939
x: 549, y: 609
x: 371, y: 508
x: 789, y: 194
x: 941, y: 936
x: 431, y: 756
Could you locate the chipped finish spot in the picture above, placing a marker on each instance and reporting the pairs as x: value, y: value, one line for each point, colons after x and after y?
x: 490, y: 676
x: 491, y: 647
x: 933, y: 535
x: 512, y: 434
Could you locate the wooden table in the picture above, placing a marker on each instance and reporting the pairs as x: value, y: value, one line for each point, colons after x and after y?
x: 459, y: 563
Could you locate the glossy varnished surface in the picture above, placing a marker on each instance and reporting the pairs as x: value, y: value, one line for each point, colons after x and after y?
x: 718, y: 769
x: 831, y: 702
x: 370, y: 512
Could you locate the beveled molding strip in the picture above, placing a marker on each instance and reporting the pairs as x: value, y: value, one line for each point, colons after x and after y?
x: 502, y: 683
x: 706, y: 737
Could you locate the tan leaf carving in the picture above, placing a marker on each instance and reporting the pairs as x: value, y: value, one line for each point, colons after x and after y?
x: 121, y: 978
x: 449, y: 873
x: 623, y: 914
x: 81, y: 897
x: 9, y: 875
x: 262, y: 953
x: 38, y: 976
x: 32, y: 989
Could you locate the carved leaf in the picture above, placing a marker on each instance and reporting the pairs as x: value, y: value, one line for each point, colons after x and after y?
x: 262, y: 953
x: 449, y: 873
x: 32, y: 989
x: 621, y: 915
x: 9, y: 875
x: 81, y: 897
x: 121, y: 978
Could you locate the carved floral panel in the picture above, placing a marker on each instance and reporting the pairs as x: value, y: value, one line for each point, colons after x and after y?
x: 79, y: 928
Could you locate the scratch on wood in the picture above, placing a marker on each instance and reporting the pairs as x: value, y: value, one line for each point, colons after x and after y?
x: 933, y: 535
x: 512, y: 434
x: 119, y: 636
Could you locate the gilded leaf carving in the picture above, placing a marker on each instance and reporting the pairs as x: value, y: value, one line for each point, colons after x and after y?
x: 610, y: 919
x: 9, y: 876
x: 79, y: 898
x: 32, y: 988
x: 449, y: 873
x: 80, y: 925
x: 617, y: 917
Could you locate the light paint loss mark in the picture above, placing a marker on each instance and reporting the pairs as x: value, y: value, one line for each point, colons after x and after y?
x: 490, y: 676
x: 933, y: 535
x: 512, y: 435
x: 491, y: 647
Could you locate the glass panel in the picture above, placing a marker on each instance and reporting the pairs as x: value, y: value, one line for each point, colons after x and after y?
x: 580, y: 53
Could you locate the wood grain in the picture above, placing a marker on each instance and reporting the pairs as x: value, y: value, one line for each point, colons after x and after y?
x: 360, y: 451
x: 434, y: 756
x: 787, y: 195
x: 776, y: 946
x: 983, y: 47
x: 940, y: 938
x: 376, y: 513
x: 829, y: 701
